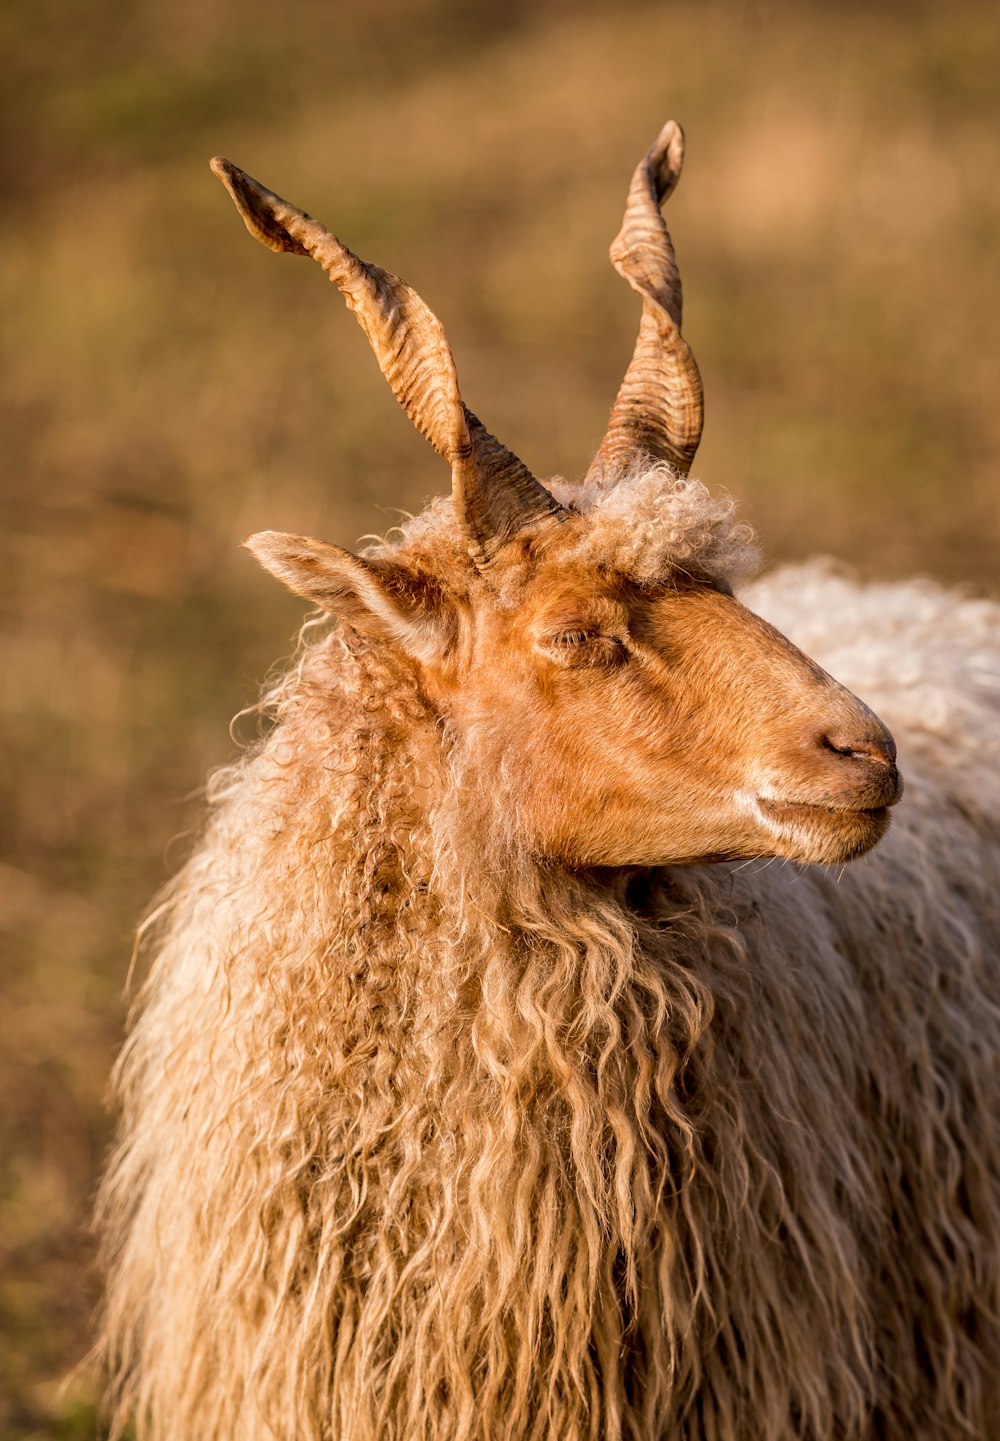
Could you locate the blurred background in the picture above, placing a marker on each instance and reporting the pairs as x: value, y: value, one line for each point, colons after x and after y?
x: 169, y: 386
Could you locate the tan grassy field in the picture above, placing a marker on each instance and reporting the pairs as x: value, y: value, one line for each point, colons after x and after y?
x: 168, y: 387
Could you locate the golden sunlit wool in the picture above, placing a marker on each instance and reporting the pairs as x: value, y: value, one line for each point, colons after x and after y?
x: 464, y: 1100
x: 426, y: 1138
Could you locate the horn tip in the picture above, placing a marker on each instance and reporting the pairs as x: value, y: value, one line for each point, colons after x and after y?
x: 662, y: 164
x: 667, y: 151
x: 236, y: 181
x: 671, y: 128
x: 265, y: 214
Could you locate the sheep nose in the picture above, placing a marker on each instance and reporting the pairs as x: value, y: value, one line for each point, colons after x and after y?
x: 880, y: 748
x: 866, y: 765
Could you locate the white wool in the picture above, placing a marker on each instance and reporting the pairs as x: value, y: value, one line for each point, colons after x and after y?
x: 652, y: 519
x: 645, y: 523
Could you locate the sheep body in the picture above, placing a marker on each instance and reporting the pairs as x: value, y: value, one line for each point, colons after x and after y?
x: 426, y: 1139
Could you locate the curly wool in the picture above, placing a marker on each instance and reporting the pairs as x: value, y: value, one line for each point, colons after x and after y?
x: 652, y: 519
x: 422, y: 1139
x: 643, y: 522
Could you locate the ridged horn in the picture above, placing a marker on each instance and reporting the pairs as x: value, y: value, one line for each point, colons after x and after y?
x: 659, y: 408
x: 496, y: 495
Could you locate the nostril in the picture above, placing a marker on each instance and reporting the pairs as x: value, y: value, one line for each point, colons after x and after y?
x: 880, y: 749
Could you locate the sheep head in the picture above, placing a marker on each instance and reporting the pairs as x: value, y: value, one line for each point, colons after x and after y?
x: 585, y: 651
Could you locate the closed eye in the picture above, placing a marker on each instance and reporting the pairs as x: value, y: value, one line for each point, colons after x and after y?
x: 575, y: 646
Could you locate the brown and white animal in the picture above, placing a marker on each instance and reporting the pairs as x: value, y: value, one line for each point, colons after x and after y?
x: 466, y: 1099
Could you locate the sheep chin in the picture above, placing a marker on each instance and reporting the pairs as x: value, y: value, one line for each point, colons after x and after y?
x: 822, y: 834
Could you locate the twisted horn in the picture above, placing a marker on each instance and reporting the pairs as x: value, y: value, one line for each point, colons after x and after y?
x: 659, y: 406
x: 496, y: 496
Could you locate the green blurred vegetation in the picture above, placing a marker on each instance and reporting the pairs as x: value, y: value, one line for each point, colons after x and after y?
x: 169, y: 387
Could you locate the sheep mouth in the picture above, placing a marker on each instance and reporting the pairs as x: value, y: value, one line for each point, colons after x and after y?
x: 823, y: 833
x: 798, y: 811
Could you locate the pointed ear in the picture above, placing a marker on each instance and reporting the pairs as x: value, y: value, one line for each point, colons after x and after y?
x: 376, y: 596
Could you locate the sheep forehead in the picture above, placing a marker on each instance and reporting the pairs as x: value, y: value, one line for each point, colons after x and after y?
x: 642, y: 523
x: 652, y: 520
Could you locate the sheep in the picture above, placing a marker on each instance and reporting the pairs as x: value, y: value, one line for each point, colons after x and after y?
x: 483, y: 1084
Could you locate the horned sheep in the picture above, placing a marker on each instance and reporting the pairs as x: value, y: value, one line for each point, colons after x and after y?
x: 482, y: 1086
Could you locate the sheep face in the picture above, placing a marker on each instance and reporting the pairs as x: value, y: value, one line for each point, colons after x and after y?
x: 611, y: 721
x: 625, y: 724
x: 605, y: 692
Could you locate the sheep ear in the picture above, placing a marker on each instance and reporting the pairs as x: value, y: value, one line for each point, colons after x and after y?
x: 376, y: 596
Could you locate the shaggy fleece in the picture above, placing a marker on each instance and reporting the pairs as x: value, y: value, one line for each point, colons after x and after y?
x: 425, y: 1139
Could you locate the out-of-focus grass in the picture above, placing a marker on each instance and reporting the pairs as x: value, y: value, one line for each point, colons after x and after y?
x: 169, y: 387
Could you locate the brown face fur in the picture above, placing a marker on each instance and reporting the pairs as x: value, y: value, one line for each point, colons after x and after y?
x: 624, y: 723
x: 667, y: 723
